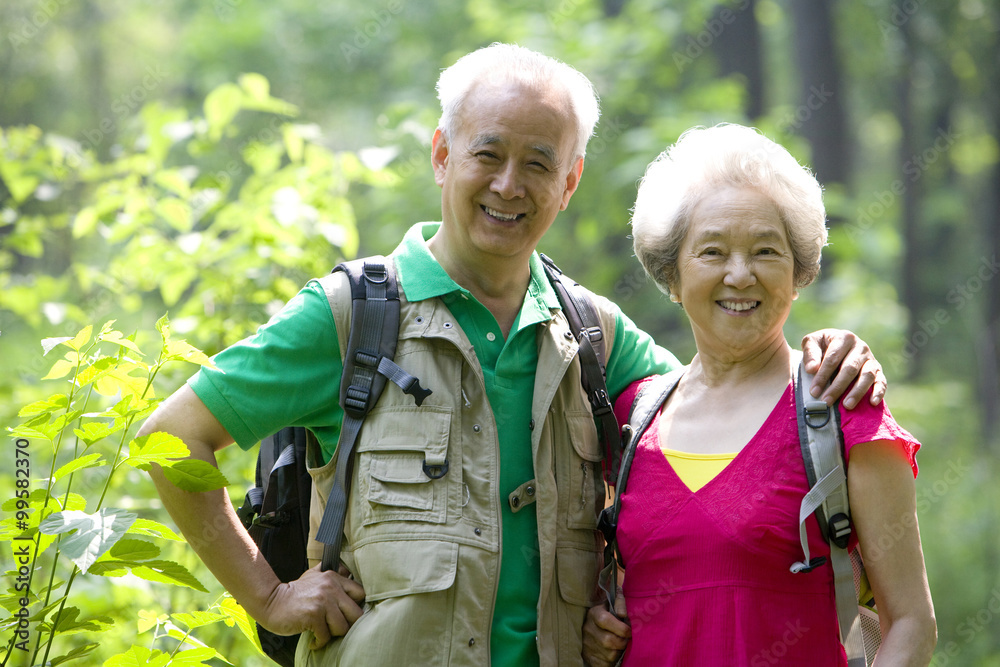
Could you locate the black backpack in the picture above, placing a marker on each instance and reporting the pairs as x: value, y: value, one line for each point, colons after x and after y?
x: 276, y: 509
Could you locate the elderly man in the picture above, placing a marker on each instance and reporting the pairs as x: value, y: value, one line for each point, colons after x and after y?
x: 448, y: 571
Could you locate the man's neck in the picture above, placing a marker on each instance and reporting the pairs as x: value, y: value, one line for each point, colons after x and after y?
x: 498, y: 284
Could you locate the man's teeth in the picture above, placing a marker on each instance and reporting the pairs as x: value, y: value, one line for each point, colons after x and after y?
x: 508, y: 217
x: 739, y: 306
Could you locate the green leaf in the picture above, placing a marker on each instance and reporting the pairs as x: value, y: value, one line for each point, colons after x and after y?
x: 110, y: 567
x: 85, y: 222
x: 255, y: 85
x: 50, y: 404
x: 176, y: 212
x: 159, y: 447
x: 151, y: 528
x: 197, y: 619
x: 167, y: 572
x: 49, y: 343
x: 88, y: 461
x: 221, y: 106
x: 179, y: 350
x: 91, y: 432
x: 150, y: 619
x: 138, y: 656
x: 93, y: 534
x: 81, y: 338
x: 117, y: 338
x: 66, y: 622
x: 78, y: 652
x: 193, y: 657
x: 231, y: 608
x: 60, y: 369
x: 195, y: 475
x: 134, y: 550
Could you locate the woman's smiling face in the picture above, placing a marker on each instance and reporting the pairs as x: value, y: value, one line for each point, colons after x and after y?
x: 736, y: 273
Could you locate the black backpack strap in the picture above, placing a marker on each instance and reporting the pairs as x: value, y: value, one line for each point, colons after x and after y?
x: 586, y: 326
x: 368, y: 363
x: 645, y: 407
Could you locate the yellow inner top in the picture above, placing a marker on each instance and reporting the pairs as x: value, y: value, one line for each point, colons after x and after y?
x: 697, y: 470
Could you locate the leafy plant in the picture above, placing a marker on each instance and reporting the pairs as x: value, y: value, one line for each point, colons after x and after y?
x: 61, y: 534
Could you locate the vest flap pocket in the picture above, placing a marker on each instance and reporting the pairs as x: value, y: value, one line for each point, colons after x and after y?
x: 583, y: 433
x: 399, y: 480
x: 392, y: 569
x: 577, y: 573
x: 407, y: 428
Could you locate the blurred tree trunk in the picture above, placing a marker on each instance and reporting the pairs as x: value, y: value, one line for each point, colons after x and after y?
x: 821, y: 118
x: 739, y: 51
x: 909, y: 207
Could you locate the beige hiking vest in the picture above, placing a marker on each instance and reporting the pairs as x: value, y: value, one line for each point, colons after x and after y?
x: 427, y: 552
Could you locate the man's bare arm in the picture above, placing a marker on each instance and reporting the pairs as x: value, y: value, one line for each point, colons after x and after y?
x: 323, y: 602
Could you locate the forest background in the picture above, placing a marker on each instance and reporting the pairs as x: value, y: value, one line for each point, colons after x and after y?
x: 206, y: 159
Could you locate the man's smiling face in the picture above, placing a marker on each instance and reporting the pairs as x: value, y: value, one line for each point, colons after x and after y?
x: 507, y: 171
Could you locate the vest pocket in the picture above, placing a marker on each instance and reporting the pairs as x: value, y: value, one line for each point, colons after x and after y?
x: 397, y: 454
x: 585, y: 483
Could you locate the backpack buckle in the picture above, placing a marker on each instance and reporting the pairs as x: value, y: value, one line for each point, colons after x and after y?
x: 816, y: 414
x: 839, y: 529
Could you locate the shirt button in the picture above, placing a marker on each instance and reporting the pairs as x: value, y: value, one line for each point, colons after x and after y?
x: 515, y: 501
x: 491, y: 336
x: 477, y: 428
x: 478, y: 531
x: 530, y: 490
x: 472, y: 641
x: 531, y: 425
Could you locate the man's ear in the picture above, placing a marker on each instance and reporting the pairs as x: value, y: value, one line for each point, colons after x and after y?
x: 439, y: 155
x: 572, y: 181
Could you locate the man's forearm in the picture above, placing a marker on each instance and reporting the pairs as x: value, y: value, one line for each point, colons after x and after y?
x: 209, y: 523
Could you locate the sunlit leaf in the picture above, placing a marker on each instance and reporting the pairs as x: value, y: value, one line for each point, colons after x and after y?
x: 160, y: 447
x: 138, y: 656
x: 195, y: 475
x: 181, y: 350
x: 150, y: 619
x: 81, y: 338
x: 85, y: 222
x: 221, y: 106
x: 167, y: 572
x: 49, y: 343
x: 60, y: 369
x: 50, y: 404
x: 134, y: 550
x: 117, y: 338
x: 197, y: 619
x: 87, y: 461
x: 151, y: 528
x: 247, y: 625
x: 90, y: 535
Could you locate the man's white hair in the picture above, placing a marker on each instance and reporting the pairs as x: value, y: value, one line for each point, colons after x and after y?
x: 509, y: 63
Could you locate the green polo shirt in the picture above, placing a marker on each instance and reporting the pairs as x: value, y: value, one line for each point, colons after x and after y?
x: 294, y: 361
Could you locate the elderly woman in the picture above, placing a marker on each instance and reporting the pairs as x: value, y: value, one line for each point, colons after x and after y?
x: 731, y: 226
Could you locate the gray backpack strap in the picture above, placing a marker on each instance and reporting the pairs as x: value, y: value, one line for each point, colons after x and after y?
x: 368, y: 363
x: 645, y: 407
x: 822, y: 445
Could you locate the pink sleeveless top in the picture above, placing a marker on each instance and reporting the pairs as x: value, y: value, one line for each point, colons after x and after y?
x: 707, y: 578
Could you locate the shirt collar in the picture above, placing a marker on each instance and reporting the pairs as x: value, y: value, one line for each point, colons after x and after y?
x: 423, y: 278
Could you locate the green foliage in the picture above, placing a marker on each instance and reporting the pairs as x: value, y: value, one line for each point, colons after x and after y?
x: 58, y: 536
